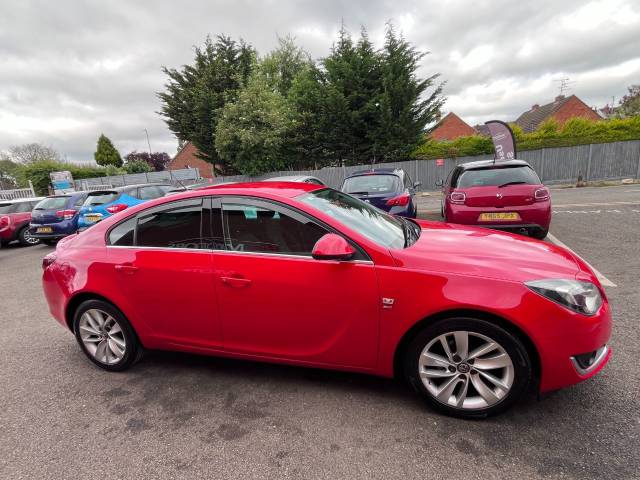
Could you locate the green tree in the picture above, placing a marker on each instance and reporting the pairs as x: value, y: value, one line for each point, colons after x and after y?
x: 408, y: 103
x: 195, y: 95
x: 282, y: 65
x: 106, y: 153
x: 630, y: 103
x: 137, y: 166
x: 251, y: 135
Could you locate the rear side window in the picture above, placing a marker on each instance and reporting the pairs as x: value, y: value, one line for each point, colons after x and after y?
x: 176, y: 226
x: 151, y: 192
x: 52, y: 203
x: 497, y: 177
x: 101, y: 198
x: 123, y: 234
x: 23, y: 207
x: 372, y: 184
x: 79, y: 201
x: 5, y: 207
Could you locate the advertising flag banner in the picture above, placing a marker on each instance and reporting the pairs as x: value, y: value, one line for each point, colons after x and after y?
x: 504, y: 143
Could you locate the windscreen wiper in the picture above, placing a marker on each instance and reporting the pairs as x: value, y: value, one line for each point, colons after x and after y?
x: 510, y: 183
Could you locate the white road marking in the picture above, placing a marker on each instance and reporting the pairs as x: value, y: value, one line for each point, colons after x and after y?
x: 603, y: 280
x: 609, y: 204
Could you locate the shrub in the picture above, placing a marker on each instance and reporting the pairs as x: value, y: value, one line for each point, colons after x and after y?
x: 576, y: 131
x: 38, y: 172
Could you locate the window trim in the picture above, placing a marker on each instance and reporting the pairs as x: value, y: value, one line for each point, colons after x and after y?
x: 216, y: 202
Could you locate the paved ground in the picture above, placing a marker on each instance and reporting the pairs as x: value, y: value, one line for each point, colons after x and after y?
x: 179, y: 416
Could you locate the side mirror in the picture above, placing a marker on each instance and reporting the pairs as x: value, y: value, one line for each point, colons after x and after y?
x: 416, y: 184
x: 332, y: 247
x: 439, y: 183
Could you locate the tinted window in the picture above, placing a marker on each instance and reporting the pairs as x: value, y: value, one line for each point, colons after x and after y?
x: 371, y: 184
x: 374, y: 224
x: 123, y: 233
x: 261, y: 229
x: 497, y: 176
x: 23, y: 207
x: 52, y: 203
x: 5, y: 207
x: 175, y: 226
x: 100, y: 198
x: 151, y: 192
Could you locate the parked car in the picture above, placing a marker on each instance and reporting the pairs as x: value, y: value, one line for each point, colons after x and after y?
x: 56, y: 216
x: 15, y: 216
x: 104, y: 203
x: 307, y: 275
x: 505, y: 195
x: 389, y: 189
x: 297, y: 178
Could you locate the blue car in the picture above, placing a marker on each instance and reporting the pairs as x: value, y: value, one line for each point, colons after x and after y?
x: 389, y: 189
x: 56, y: 216
x: 104, y: 203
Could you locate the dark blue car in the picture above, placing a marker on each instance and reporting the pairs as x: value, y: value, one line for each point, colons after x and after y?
x: 389, y: 189
x: 56, y: 217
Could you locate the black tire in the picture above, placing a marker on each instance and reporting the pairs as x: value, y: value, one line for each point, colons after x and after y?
x: 539, y: 233
x: 522, y: 369
x: 25, y: 240
x: 133, y: 350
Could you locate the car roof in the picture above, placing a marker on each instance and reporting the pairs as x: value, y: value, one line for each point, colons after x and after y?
x: 377, y: 171
x: 126, y: 188
x: 20, y: 200
x: 281, y: 189
x: 290, y: 178
x: 481, y: 164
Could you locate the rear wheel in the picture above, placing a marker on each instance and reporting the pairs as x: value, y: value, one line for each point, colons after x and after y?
x: 467, y: 367
x: 105, y: 336
x: 25, y: 238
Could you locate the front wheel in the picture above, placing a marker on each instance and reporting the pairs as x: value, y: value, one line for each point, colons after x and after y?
x: 105, y: 336
x: 467, y: 367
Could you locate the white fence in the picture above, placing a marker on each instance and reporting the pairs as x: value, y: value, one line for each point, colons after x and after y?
x: 18, y: 193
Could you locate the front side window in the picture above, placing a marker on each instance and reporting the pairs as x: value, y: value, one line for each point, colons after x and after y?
x: 177, y: 225
x: 360, y: 216
x: 497, y: 177
x: 257, y: 228
x: 372, y: 184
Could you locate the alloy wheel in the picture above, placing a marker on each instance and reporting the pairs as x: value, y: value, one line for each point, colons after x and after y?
x: 30, y: 239
x: 466, y: 370
x: 102, y: 336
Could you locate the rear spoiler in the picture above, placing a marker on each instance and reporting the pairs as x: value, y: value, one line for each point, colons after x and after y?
x: 102, y: 192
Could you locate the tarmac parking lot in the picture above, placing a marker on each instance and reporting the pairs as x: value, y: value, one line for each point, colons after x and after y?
x: 183, y: 416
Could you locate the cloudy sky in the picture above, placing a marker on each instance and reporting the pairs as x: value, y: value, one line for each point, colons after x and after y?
x: 70, y: 70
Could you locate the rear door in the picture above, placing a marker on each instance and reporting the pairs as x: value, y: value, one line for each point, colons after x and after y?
x: 277, y: 301
x: 164, y: 267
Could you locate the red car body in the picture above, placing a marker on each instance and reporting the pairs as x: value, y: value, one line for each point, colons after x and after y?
x: 473, y: 193
x: 324, y: 313
x: 16, y: 218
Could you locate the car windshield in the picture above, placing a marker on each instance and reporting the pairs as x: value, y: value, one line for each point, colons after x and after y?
x: 491, y: 176
x: 100, y: 198
x: 52, y: 203
x: 374, y: 224
x: 371, y: 184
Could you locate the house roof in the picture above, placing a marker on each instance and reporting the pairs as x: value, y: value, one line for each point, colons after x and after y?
x: 451, y: 127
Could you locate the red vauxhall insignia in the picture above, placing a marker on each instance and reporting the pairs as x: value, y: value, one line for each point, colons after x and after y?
x: 303, y: 274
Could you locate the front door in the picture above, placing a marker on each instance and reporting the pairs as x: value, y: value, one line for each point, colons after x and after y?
x: 277, y: 301
x: 164, y: 268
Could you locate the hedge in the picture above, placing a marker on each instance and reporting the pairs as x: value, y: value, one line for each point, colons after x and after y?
x: 38, y: 173
x: 576, y: 131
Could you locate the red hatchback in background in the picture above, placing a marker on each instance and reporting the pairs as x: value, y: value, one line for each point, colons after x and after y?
x: 15, y: 216
x: 302, y: 274
x: 505, y: 195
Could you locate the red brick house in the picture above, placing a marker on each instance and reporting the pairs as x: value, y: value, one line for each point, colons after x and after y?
x: 186, y: 158
x: 562, y: 109
x: 451, y: 127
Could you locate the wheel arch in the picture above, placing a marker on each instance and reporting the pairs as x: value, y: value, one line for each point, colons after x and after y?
x: 469, y: 313
x: 77, y: 300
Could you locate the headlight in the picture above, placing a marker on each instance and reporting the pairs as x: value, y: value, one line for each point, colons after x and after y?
x: 581, y: 297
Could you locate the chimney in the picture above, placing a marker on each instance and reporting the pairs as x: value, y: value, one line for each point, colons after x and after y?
x: 535, y: 107
x: 559, y: 97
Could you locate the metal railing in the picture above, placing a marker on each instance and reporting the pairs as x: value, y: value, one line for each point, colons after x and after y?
x: 18, y: 193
